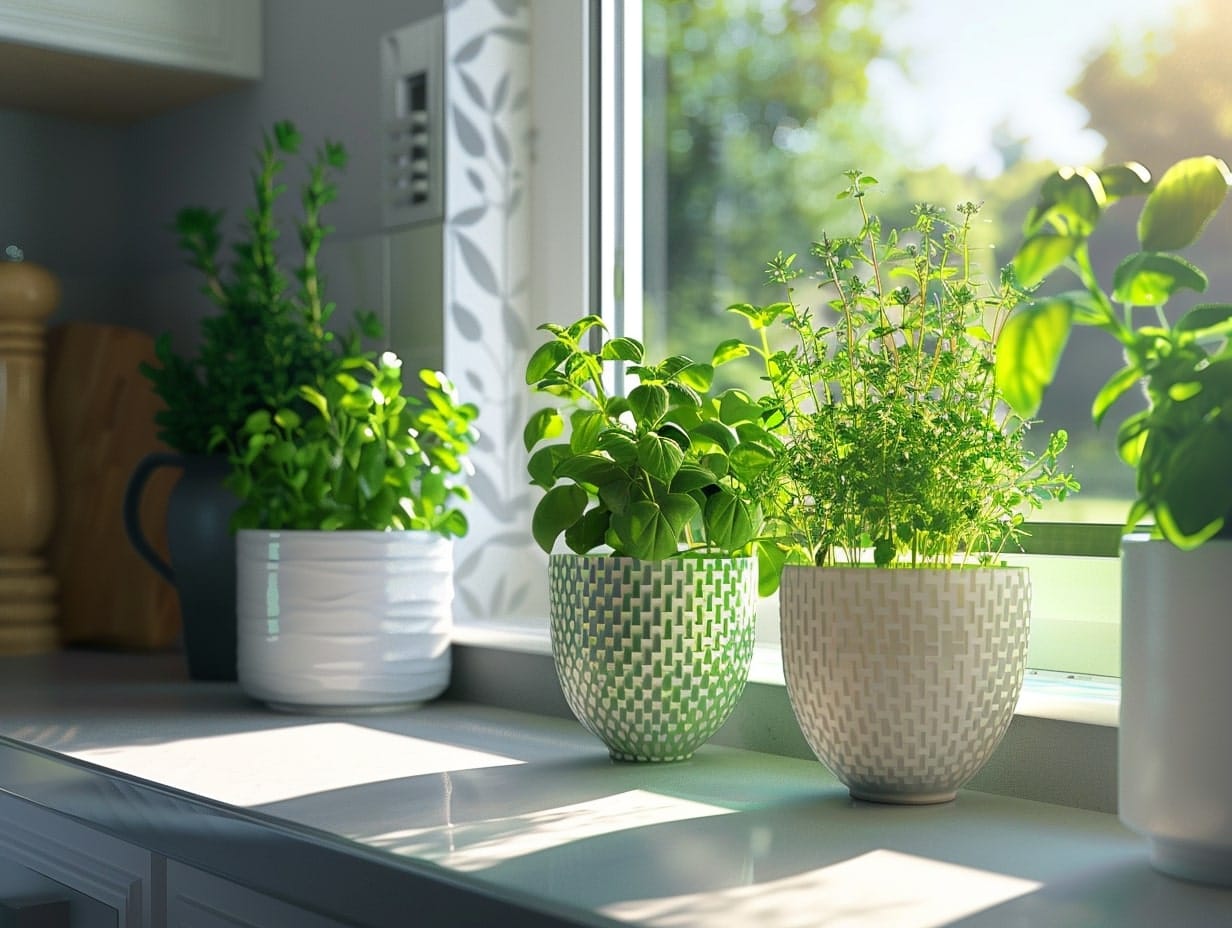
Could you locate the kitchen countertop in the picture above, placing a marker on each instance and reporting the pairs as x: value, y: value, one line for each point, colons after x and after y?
x: 511, y: 809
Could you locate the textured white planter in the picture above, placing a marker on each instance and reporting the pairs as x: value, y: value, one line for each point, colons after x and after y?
x: 343, y: 620
x: 904, y: 680
x: 652, y: 656
x: 1175, y: 754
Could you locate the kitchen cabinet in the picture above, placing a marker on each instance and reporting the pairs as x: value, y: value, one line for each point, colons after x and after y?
x: 105, y: 881
x: 125, y: 59
x: 196, y: 899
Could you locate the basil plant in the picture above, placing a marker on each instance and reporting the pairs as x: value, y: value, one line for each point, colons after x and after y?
x: 672, y: 467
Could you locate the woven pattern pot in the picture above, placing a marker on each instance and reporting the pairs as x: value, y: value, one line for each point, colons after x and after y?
x: 652, y: 655
x: 342, y: 621
x: 904, y: 680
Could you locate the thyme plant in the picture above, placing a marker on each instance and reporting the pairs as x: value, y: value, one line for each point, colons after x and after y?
x: 895, y: 439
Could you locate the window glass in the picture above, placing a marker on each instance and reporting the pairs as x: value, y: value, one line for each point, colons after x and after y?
x: 754, y: 108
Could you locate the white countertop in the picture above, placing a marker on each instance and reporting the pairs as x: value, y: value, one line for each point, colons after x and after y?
x: 531, y: 809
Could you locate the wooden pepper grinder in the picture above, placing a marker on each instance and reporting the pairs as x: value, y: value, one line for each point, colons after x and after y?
x: 28, y: 295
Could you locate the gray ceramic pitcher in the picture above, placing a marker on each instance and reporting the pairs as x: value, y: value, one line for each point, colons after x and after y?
x: 202, y: 550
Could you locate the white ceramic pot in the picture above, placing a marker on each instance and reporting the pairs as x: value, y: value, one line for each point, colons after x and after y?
x: 904, y: 680
x: 343, y: 620
x: 1175, y: 743
x: 652, y: 656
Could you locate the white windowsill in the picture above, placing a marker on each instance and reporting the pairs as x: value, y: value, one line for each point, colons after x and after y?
x: 1045, y: 694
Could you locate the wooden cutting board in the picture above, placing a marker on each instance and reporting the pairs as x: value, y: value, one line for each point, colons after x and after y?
x: 100, y: 413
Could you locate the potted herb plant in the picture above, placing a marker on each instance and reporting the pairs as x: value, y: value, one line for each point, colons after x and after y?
x: 899, y: 484
x: 266, y: 339
x: 654, y: 494
x: 1175, y: 754
x: 345, y: 521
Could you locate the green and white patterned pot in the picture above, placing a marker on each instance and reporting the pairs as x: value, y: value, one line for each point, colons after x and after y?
x: 652, y: 655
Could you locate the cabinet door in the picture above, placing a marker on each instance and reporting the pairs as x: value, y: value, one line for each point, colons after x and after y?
x: 39, y: 849
x: 196, y: 899
x: 207, y: 36
x: 30, y: 900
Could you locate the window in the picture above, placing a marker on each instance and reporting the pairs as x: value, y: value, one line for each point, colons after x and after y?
x: 753, y: 108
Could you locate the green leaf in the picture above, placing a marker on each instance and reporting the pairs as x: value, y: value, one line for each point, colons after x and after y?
x: 658, y: 456
x: 697, y: 376
x: 620, y: 445
x: 560, y: 507
x: 759, y: 317
x: 1070, y: 204
x: 623, y: 349
x: 1150, y: 278
x: 648, y: 403
x: 1131, y: 437
x: 736, y: 407
x: 288, y: 419
x: 1113, y: 390
x: 544, y: 424
x: 584, y: 325
x: 257, y: 423
x: 716, y: 433
x: 770, y: 560
x: 691, y: 477
x: 729, y: 350
x: 594, y: 469
x: 588, y: 532
x: 749, y: 459
x: 585, y: 428
x: 1040, y: 255
x: 1195, y: 495
x: 545, y: 359
x: 616, y: 495
x: 1124, y: 180
x: 1186, y: 198
x: 651, y: 529
x: 731, y: 522
x: 1029, y: 350
x: 370, y: 473
x: 1204, y: 316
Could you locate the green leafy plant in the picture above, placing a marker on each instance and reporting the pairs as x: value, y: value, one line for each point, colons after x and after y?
x: 894, y: 438
x: 267, y: 338
x: 669, y: 468
x: 365, y: 457
x: 1180, y: 445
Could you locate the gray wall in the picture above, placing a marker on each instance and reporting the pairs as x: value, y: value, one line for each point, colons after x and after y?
x: 61, y: 199
x: 94, y: 203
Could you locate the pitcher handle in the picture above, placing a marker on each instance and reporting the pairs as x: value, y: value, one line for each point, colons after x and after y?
x: 132, y: 508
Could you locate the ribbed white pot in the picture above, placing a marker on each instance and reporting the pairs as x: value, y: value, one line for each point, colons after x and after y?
x: 343, y: 620
x: 1175, y: 740
x: 904, y: 680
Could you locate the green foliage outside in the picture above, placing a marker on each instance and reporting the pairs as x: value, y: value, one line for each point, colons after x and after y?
x: 755, y: 109
x: 894, y: 438
x: 1181, y: 444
